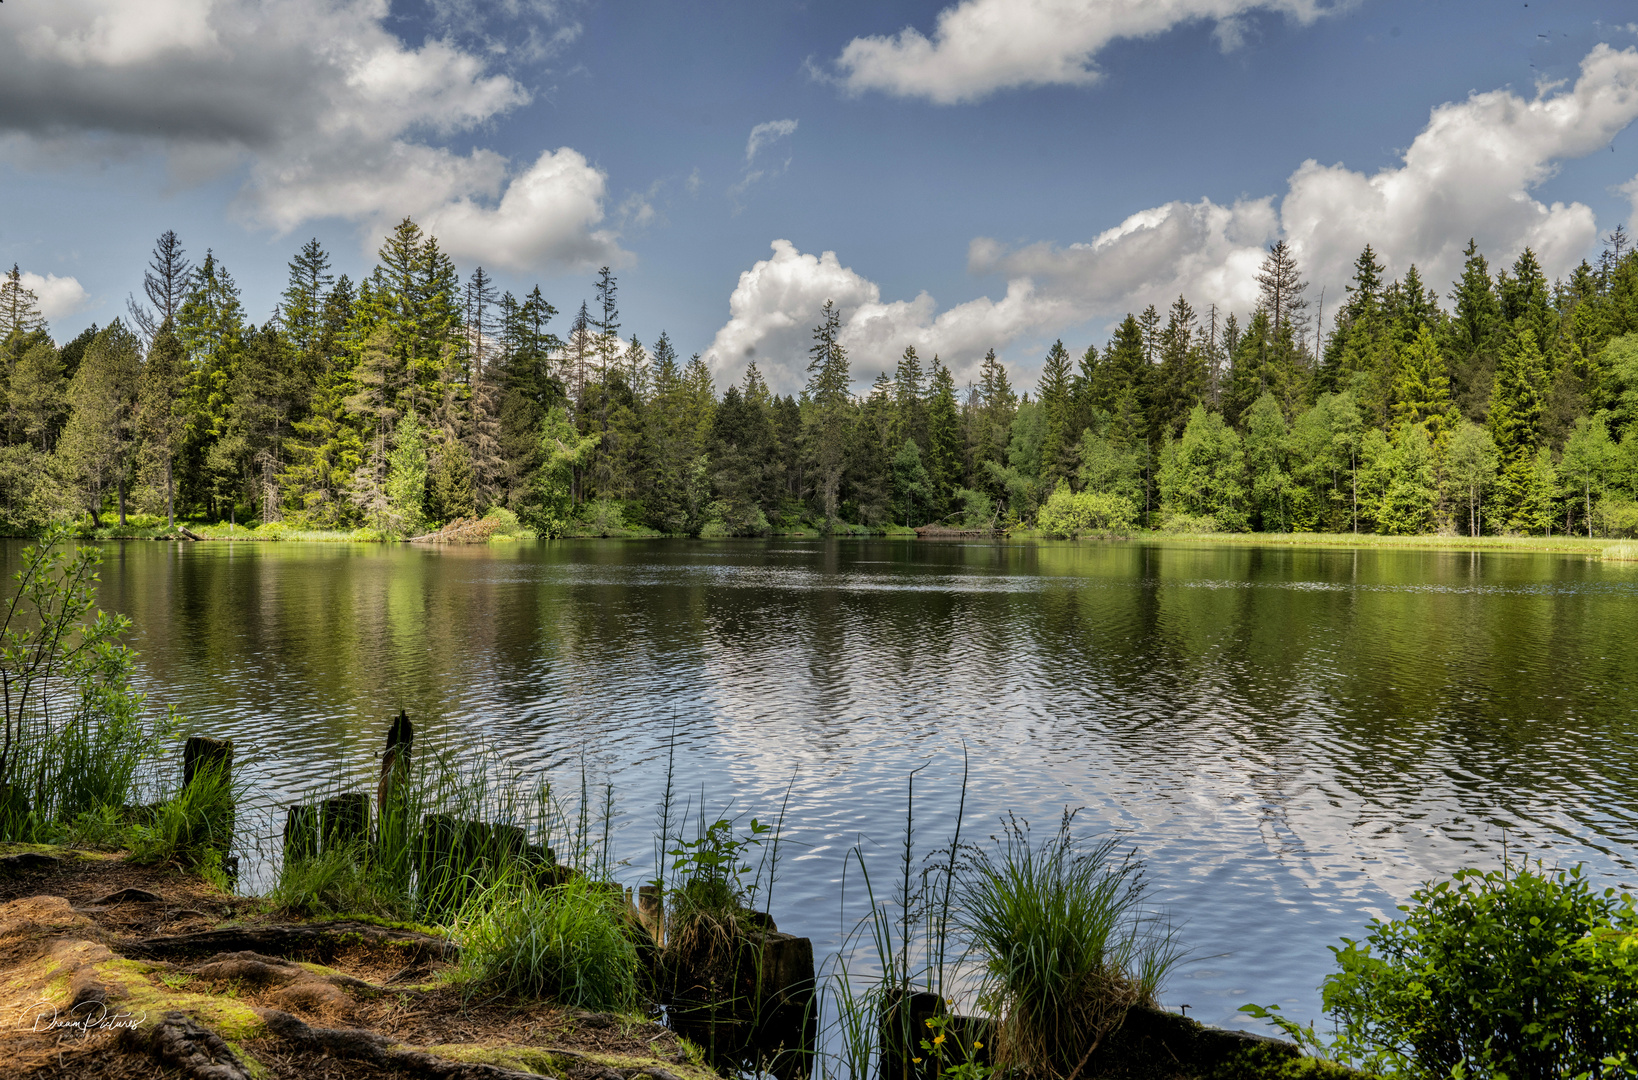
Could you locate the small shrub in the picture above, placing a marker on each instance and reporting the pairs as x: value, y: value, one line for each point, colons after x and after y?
x: 567, y: 942
x: 75, y: 736
x: 272, y: 530
x: 506, y: 522
x: 1509, y: 972
x: 1087, y: 513
x: 977, y: 509
x: 1067, y: 946
x: 1175, y: 522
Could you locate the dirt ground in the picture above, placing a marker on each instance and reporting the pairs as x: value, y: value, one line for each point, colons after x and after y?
x: 111, y: 970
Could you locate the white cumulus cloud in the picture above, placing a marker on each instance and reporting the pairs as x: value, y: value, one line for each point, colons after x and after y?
x: 59, y: 297
x: 779, y: 300
x: 1471, y: 173
x: 981, y: 46
x: 329, y: 113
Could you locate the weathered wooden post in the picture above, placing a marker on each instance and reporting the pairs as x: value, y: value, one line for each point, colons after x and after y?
x: 345, y: 820
x: 301, y: 832
x: 200, y: 752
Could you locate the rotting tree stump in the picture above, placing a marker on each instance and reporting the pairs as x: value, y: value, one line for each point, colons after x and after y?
x: 749, y: 1001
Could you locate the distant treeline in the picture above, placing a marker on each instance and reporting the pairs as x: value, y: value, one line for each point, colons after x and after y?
x: 412, y: 398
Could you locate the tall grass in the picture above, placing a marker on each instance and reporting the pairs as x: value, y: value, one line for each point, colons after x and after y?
x: 1621, y: 553
x: 1067, y: 943
x: 193, y: 829
x: 570, y: 943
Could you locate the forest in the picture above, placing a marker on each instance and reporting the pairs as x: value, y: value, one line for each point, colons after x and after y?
x: 413, y: 398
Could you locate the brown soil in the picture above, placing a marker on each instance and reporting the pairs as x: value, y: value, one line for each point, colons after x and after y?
x: 92, y: 936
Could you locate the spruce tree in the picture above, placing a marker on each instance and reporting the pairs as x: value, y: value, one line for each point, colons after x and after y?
x: 943, y: 457
x: 1516, y: 405
x: 909, y: 404
x: 1055, y: 398
x: 827, y: 390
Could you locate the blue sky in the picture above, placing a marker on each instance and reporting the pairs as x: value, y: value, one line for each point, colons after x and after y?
x: 961, y: 160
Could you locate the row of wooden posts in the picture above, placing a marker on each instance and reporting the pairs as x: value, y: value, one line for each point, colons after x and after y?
x: 778, y: 1033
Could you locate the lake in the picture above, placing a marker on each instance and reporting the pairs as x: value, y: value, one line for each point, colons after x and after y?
x: 1291, y: 739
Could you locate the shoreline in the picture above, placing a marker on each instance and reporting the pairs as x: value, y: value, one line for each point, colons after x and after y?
x: 1610, y: 549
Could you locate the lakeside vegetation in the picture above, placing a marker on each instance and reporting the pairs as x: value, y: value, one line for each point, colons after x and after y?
x: 413, y: 398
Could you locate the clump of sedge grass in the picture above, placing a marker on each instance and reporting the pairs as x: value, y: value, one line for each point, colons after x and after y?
x: 1621, y: 553
x: 1068, y: 945
x: 192, y: 829
x: 569, y: 942
x: 341, y: 880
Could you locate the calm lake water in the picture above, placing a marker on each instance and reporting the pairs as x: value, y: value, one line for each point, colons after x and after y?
x: 1291, y: 739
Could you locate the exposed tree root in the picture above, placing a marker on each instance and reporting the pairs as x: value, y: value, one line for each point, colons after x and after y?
x: 293, y: 939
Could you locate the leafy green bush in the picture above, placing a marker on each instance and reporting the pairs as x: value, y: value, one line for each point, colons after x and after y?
x: 1086, y: 513
x: 1188, y: 523
x: 506, y: 522
x: 1616, y: 517
x: 1068, y: 947
x: 567, y: 942
x: 1507, y: 973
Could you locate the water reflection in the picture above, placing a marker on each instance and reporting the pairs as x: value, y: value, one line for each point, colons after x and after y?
x: 1292, y: 738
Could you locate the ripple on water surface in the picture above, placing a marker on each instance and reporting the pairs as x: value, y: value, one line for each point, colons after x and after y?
x: 1291, y: 739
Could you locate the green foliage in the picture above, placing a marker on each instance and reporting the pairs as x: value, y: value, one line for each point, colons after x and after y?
x: 406, y: 486
x: 1408, y: 501
x: 1067, y: 945
x: 1512, y: 972
x: 1202, y: 474
x: 568, y: 943
x: 1087, y: 513
x: 562, y: 451
x: 711, y: 870
x: 75, y: 738
x: 977, y: 509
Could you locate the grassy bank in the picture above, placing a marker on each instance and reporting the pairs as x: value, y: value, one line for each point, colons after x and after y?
x: 1570, y: 545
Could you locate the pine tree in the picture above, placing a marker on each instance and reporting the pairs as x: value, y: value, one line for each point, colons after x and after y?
x: 909, y: 405
x: 1472, y: 335
x: 1280, y: 286
x: 165, y: 282
x: 828, y: 385
x: 19, y: 308
x: 1421, y: 391
x: 1516, y: 405
x: 1180, y: 380
x: 36, y: 395
x: 1055, y: 396
x: 305, y: 294
x: 943, y: 457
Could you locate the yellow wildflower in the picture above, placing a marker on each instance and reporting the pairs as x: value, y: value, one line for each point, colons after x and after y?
x: 937, y: 1039
x: 915, y: 1061
x: 977, y: 1045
